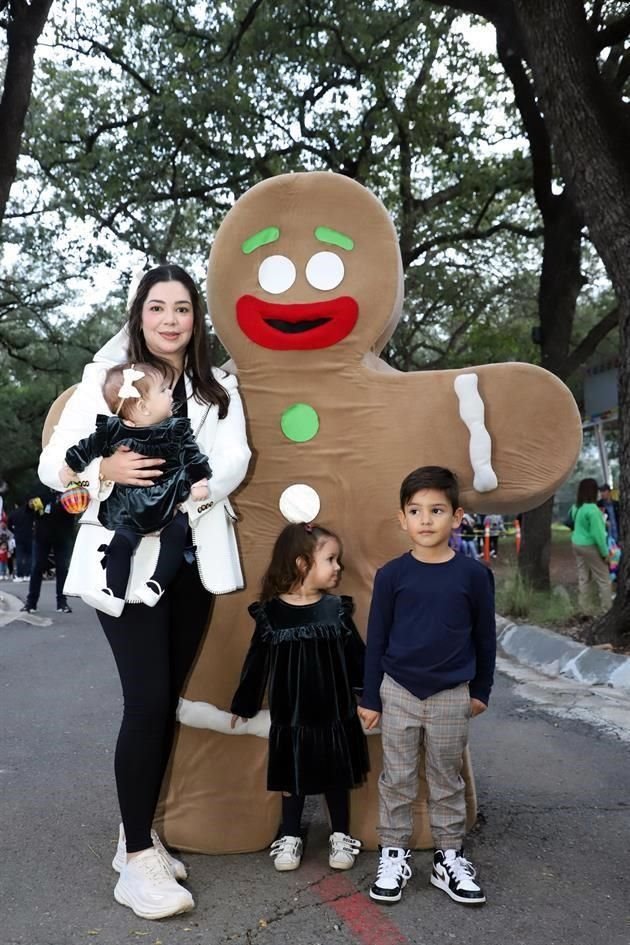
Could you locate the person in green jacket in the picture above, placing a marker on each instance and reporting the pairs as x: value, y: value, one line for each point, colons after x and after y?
x: 590, y: 546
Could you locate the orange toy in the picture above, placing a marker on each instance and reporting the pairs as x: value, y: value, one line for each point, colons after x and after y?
x: 75, y: 499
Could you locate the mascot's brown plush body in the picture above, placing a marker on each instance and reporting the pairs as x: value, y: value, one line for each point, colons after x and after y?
x: 305, y: 288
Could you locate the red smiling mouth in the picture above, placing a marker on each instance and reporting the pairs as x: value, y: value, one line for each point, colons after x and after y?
x: 297, y: 326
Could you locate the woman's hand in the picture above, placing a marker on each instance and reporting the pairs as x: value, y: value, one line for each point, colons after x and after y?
x: 66, y: 475
x: 199, y: 490
x: 131, y: 469
x: 235, y: 719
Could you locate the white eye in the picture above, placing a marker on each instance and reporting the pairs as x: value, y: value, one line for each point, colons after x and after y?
x: 324, y: 271
x: 276, y: 274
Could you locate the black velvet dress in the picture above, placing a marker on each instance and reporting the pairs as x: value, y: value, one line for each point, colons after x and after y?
x: 145, y: 509
x: 310, y: 659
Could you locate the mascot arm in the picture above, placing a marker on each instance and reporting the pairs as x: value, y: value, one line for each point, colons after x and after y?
x: 77, y: 421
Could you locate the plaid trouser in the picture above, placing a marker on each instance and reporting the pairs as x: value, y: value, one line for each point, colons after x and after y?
x: 440, y: 724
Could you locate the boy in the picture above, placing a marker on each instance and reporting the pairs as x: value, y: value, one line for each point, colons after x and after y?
x: 429, y: 666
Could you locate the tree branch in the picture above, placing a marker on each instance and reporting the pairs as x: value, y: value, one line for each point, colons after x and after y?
x: 613, y: 33
x: 591, y: 340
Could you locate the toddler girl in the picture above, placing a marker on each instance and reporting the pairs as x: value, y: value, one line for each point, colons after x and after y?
x: 140, y: 397
x: 307, y: 652
x: 4, y: 560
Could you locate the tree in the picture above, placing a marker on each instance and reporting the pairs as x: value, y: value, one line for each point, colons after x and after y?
x: 155, y: 158
x: 562, y: 270
x: 589, y: 124
x: 23, y: 23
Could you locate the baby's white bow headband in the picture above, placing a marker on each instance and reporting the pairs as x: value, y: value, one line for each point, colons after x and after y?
x: 127, y: 389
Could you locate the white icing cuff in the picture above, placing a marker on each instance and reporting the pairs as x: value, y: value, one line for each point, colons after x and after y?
x: 206, y: 715
x: 472, y: 412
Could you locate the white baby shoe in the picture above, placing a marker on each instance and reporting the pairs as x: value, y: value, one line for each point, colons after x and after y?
x: 149, y: 593
x: 104, y: 600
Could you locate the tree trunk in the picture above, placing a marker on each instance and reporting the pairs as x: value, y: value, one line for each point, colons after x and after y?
x: 590, y: 131
x: 560, y: 284
x: 26, y: 22
x: 533, y: 559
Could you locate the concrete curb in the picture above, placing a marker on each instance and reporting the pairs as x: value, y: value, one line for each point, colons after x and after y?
x: 552, y: 654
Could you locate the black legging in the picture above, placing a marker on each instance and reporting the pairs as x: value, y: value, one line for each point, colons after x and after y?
x: 118, y: 555
x: 338, y: 805
x: 154, y: 649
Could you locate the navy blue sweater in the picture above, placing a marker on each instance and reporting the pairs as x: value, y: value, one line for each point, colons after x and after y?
x: 431, y: 627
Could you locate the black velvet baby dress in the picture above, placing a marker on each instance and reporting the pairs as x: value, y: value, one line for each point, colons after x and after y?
x: 310, y: 661
x: 145, y: 509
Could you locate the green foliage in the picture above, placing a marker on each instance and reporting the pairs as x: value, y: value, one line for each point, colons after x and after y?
x: 158, y: 117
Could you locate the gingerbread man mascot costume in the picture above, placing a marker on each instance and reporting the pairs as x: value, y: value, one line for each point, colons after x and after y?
x: 305, y: 288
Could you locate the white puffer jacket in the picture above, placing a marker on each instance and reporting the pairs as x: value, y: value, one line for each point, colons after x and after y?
x: 212, y: 520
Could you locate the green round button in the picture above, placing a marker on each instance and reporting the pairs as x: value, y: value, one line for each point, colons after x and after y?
x: 299, y: 423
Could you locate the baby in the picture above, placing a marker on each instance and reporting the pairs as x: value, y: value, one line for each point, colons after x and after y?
x: 141, y: 401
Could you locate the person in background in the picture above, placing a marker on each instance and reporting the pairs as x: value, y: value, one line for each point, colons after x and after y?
x: 469, y: 544
x: 590, y: 546
x: 54, y: 533
x: 4, y: 560
x: 21, y: 522
x: 497, y: 528
x: 611, y: 508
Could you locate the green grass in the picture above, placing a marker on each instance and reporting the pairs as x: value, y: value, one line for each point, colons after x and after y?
x: 515, y: 598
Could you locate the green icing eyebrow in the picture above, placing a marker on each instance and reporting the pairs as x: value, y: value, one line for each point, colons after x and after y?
x: 269, y: 235
x: 326, y: 235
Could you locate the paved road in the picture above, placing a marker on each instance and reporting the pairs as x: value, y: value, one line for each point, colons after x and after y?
x: 552, y: 841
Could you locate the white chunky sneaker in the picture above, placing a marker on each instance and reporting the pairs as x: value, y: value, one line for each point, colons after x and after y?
x: 149, y: 888
x: 104, y: 600
x: 456, y: 876
x: 176, y: 866
x: 149, y: 593
x: 286, y: 853
x: 343, y: 850
x: 392, y: 875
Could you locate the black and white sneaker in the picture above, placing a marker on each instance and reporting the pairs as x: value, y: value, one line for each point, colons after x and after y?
x: 456, y: 875
x: 392, y: 875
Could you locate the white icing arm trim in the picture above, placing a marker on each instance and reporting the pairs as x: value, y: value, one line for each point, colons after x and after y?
x: 471, y: 410
x: 206, y: 715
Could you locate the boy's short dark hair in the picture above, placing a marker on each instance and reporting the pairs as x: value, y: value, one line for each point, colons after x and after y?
x: 430, y: 477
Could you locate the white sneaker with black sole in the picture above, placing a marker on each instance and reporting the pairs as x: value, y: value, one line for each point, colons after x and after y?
x: 176, y: 866
x: 456, y: 876
x: 342, y: 851
x: 392, y: 875
x: 148, y: 887
x: 286, y: 853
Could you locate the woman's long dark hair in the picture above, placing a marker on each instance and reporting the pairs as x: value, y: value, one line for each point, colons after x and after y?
x: 587, y: 491
x: 206, y: 389
x: 293, y: 542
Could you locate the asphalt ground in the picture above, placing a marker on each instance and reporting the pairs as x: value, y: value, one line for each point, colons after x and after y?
x: 551, y: 842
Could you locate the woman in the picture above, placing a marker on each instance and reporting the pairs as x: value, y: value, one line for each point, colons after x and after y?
x: 154, y: 648
x: 590, y: 545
